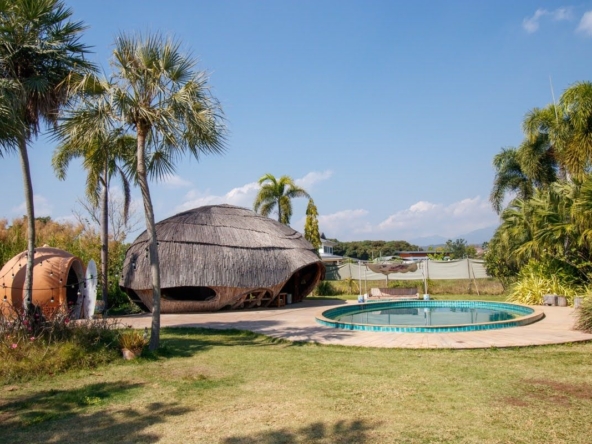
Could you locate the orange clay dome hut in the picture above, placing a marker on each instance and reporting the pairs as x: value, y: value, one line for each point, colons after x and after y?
x: 58, y: 278
x: 222, y: 256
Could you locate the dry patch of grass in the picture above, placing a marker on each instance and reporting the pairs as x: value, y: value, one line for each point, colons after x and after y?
x: 234, y: 387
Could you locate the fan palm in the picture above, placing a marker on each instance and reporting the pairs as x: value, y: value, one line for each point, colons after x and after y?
x: 277, y: 194
x: 91, y: 132
x: 167, y: 104
x: 10, y: 124
x: 40, y: 56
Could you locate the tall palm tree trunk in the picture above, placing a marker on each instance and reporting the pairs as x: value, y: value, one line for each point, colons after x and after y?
x: 279, y: 205
x: 28, y: 287
x: 105, y: 237
x: 151, y: 229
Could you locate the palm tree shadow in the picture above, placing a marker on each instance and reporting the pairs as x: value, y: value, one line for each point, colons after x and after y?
x: 339, y: 432
x: 63, y: 416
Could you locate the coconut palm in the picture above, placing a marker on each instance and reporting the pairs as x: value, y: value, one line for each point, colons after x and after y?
x: 40, y: 56
x: 91, y: 132
x: 576, y: 103
x: 509, y: 177
x: 168, y: 106
x: 277, y: 194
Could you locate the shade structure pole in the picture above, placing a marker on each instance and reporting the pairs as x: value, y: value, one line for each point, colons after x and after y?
x: 425, y: 279
x: 360, y: 276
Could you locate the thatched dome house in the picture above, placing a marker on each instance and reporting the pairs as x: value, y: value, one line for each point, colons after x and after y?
x: 58, y: 279
x: 222, y: 256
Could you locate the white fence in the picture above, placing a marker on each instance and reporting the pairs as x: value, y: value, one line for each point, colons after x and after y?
x: 428, y: 269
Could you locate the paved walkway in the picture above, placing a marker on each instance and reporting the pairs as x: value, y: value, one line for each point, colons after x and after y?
x: 297, y: 323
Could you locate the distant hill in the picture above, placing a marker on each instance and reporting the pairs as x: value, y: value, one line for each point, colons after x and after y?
x: 476, y: 237
x: 479, y: 236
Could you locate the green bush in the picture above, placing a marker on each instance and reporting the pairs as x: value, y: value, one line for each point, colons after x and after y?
x: 325, y: 288
x: 584, y: 316
x: 544, y: 277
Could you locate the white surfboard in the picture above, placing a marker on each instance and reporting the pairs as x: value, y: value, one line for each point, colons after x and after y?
x: 90, y: 295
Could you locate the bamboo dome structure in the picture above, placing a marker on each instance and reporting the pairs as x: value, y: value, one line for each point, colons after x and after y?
x: 58, y: 279
x: 222, y: 257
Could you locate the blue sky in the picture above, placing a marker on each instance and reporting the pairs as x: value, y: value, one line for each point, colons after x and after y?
x: 389, y: 113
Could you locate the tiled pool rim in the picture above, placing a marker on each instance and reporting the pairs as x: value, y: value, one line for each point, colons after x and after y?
x: 530, y: 315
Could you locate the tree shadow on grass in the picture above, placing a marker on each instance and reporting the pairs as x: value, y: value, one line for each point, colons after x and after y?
x: 270, y: 329
x: 185, y: 342
x: 339, y: 432
x: 81, y: 414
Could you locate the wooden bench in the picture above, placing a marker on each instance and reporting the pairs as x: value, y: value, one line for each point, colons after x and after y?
x: 393, y: 293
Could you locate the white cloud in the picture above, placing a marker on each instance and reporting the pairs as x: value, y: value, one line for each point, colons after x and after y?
x: 532, y: 24
x: 313, y: 177
x: 174, y: 181
x: 241, y: 196
x: 41, y: 204
x: 427, y: 219
x: 245, y: 195
x: 585, y: 26
x: 421, y: 219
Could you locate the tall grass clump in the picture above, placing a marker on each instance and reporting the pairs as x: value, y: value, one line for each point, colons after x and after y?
x: 584, y: 316
x: 539, y: 278
x: 32, y: 345
x: 325, y: 288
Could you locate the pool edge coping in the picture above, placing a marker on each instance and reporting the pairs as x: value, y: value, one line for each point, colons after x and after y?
x: 536, y: 315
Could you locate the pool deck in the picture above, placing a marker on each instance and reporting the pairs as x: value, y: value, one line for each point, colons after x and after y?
x: 297, y: 323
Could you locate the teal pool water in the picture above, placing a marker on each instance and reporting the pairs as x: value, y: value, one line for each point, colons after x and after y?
x: 429, y: 316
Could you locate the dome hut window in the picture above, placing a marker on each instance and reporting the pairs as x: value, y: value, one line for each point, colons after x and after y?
x: 189, y: 293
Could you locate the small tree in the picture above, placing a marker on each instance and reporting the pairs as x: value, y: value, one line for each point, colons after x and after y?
x: 311, y: 227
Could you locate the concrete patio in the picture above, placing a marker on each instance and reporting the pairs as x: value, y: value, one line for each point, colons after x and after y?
x: 297, y: 323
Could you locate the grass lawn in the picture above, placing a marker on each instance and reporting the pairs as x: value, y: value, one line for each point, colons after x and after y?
x: 238, y: 387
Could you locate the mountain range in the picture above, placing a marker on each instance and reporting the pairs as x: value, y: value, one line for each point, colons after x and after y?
x: 475, y: 237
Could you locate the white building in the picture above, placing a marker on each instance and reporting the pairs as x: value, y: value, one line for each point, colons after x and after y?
x: 326, y: 252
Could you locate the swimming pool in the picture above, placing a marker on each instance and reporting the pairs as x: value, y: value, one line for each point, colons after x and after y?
x: 429, y: 316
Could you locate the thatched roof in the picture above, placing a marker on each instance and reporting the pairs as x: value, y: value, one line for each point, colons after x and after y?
x: 219, y: 246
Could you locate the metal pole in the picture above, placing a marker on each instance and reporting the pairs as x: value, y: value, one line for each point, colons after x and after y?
x: 360, y: 275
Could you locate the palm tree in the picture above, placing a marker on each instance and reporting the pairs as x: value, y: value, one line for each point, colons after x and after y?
x: 278, y: 194
x: 168, y: 106
x: 40, y: 57
x: 576, y: 103
x: 91, y: 132
x: 509, y: 177
x: 10, y: 123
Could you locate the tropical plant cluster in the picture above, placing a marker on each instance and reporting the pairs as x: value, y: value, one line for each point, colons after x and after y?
x: 32, y: 345
x: 544, y: 242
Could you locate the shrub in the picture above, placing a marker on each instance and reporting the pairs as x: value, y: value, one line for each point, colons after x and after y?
x: 584, y: 316
x: 325, y: 288
x: 531, y: 287
x: 133, y: 340
x: 32, y: 345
